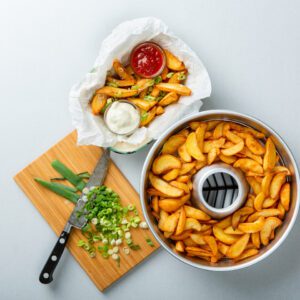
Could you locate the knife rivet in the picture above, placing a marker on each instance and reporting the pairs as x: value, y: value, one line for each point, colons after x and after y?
x: 62, y: 241
x: 54, y: 258
x: 46, y: 275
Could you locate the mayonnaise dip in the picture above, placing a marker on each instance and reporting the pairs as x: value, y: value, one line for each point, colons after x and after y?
x: 122, y: 117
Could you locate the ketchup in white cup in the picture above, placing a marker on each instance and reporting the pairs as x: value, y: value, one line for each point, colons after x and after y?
x: 147, y: 59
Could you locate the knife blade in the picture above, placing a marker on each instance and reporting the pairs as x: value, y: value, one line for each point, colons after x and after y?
x: 96, y: 179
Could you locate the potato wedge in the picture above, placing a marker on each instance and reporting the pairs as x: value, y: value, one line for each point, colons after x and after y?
x: 164, y: 73
x: 276, y: 184
x: 252, y: 227
x: 243, y: 129
x: 244, y: 211
x: 230, y: 230
x: 168, y: 99
x: 178, y: 77
x: 189, y: 242
x: 255, y: 239
x: 181, y: 237
x: 164, y: 163
x: 225, y: 222
x: 233, y: 137
x: 184, y: 154
x: 159, y: 110
x: 193, y: 148
x: 269, y: 212
x: 254, y: 184
x: 183, y: 178
x: 250, y: 201
x: 174, y: 87
x: 200, y: 135
x: 187, y: 167
x: 222, y: 248
x: 269, y: 202
x: 170, y: 223
x: 247, y: 253
x: 98, y: 103
x: 200, y: 164
x: 271, y: 224
x: 172, y: 144
x: 195, y: 213
x: 245, y: 152
x: 121, y: 71
x: 181, y: 222
x: 218, y: 131
x: 258, y: 201
x: 116, y: 92
x: 147, y: 117
x: 142, y: 85
x: 281, y: 169
x: 180, y: 185
x: 171, y: 205
x: 211, y: 242
x: 234, y: 149
x: 191, y: 223
x: 154, y: 204
x: 198, y: 238
x: 227, y: 159
x: 223, y: 237
x: 173, y: 62
x: 165, y: 187
x: 285, y: 196
x: 120, y: 83
x: 162, y: 218
x: 247, y: 164
x: 142, y: 104
x: 266, y: 182
x: 238, y: 247
x: 212, y: 155
x: 270, y: 155
x: 208, y: 145
x: 254, y: 145
x: 171, y: 175
x: 179, y: 246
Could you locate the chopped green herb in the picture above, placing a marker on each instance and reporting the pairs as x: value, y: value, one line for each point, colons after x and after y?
x: 108, y: 102
x: 169, y: 75
x: 149, y: 98
x: 135, y: 87
x: 181, y: 76
x: 134, y: 247
x: 144, y: 115
x: 112, y: 84
x: 157, y: 79
x: 149, y: 242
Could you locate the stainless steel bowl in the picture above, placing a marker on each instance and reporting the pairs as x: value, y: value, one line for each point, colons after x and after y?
x: 286, y: 158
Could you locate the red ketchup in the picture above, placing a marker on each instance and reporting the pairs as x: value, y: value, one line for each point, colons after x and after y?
x: 147, y: 60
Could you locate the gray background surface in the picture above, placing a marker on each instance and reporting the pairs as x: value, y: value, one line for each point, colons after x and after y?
x: 251, y: 50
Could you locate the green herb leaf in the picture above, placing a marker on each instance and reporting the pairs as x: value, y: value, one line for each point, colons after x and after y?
x: 134, y: 247
x: 169, y: 75
x: 149, y: 242
x: 157, y: 79
x: 112, y: 84
x: 149, y: 98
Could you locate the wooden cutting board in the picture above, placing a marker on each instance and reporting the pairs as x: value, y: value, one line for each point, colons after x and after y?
x: 56, y: 210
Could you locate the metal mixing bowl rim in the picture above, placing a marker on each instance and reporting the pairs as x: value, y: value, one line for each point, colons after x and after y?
x: 142, y: 191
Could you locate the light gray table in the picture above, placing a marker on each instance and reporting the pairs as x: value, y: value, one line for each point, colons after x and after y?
x: 251, y: 50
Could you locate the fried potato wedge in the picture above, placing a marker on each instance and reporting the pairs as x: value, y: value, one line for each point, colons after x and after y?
x: 255, y: 239
x: 212, y: 155
x: 179, y: 246
x: 181, y: 222
x: 170, y: 223
x: 165, y: 187
x: 178, y: 77
x: 120, y: 83
x: 159, y: 110
x: 254, y: 145
x: 258, y: 201
x: 233, y: 137
x: 154, y: 204
x: 285, y: 196
x: 98, y: 103
x: 247, y: 253
x: 193, y: 148
x: 250, y: 201
x: 227, y: 159
x: 211, y: 242
x: 252, y: 227
x: 222, y: 248
x: 234, y: 149
x: 173, y: 62
x: 247, y: 164
x: 162, y: 218
x: 180, y: 185
x: 230, y: 230
x: 121, y: 71
x: 198, y: 238
x: 223, y: 237
x: 142, y: 104
x: 225, y: 222
x: 218, y: 131
x: 266, y: 182
x: 270, y: 225
x: 178, y: 88
x: 184, y: 154
x: 187, y: 167
x: 168, y: 99
x: 276, y: 184
x: 269, y: 202
x: 164, y: 163
x: 171, y: 175
x: 210, y: 144
x: 181, y: 237
x: 270, y: 155
x: 281, y: 169
x: 147, y: 117
x: 171, y: 205
x: 269, y: 212
x: 195, y: 213
x: 172, y: 144
x: 200, y: 135
x: 244, y: 211
x: 254, y: 184
x: 238, y: 247
x: 116, y: 92
x: 191, y: 223
x: 183, y: 178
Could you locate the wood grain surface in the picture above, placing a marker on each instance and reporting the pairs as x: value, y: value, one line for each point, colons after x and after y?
x: 56, y: 210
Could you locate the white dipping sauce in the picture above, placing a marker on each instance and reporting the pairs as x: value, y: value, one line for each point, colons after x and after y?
x: 122, y: 117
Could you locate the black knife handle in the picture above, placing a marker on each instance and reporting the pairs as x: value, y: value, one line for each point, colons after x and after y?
x: 56, y: 253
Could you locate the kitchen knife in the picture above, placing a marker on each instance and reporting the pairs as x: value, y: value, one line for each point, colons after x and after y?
x: 96, y: 179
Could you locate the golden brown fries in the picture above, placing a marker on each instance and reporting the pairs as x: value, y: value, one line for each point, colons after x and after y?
x: 194, y: 233
x: 150, y: 96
